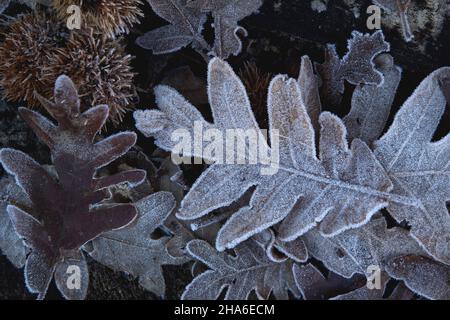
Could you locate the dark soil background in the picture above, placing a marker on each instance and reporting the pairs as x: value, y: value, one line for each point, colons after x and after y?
x: 279, y: 35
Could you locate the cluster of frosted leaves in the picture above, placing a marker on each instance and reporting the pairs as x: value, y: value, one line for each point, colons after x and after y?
x: 187, y: 19
x: 407, y: 173
x: 401, y: 8
x: 419, y: 170
x: 357, y: 66
x: 155, y: 238
x: 249, y: 269
x: 65, y: 212
x: 354, y: 251
x: 134, y: 251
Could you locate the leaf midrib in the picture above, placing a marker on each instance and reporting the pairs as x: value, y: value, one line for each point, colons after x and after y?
x: 358, y: 188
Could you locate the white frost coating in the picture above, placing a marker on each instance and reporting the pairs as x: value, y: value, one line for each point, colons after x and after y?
x: 374, y: 244
x: 424, y: 276
x: 228, y: 98
x: 38, y: 269
x: 3, y: 5
x: 371, y: 104
x: 309, y: 89
x: 132, y: 250
x: 401, y: 7
x: 356, y: 66
x: 177, y: 112
x: 150, y: 121
x: 185, y: 28
x: 38, y: 274
x: 342, y: 186
x: 249, y: 270
x: 113, y: 147
x: 208, y: 188
x: 66, y: 94
x: 74, y: 265
x: 345, y: 166
x: 356, y: 46
x: 48, y: 226
x: 306, y: 276
x: 420, y: 168
x: 368, y: 217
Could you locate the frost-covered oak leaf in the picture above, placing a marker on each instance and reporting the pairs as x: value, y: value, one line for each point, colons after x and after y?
x: 132, y: 250
x: 185, y: 28
x: 357, y: 66
x: 65, y: 204
x: 420, y: 168
x: 250, y: 269
x: 341, y: 187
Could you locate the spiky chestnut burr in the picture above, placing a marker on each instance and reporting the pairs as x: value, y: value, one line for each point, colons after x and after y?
x: 100, y: 68
x: 37, y: 49
x: 28, y: 45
